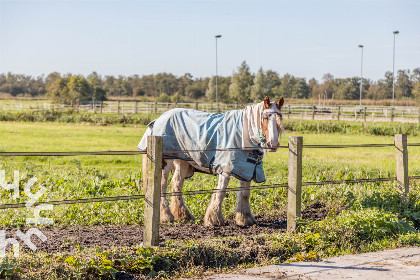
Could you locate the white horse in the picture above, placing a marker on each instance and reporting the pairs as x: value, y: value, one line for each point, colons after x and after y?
x: 204, y: 141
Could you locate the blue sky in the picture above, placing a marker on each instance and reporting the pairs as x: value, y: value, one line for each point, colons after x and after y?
x: 304, y: 38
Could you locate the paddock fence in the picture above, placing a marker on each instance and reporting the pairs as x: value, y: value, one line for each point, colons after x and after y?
x: 302, y: 111
x: 155, y: 156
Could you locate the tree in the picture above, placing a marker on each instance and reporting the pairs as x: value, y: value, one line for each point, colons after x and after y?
x: 329, y: 85
x: 96, y: 91
x: 415, y: 79
x: 211, y: 90
x: 385, y: 86
x: 57, y: 90
x: 184, y: 82
x: 272, y: 80
x: 259, y: 90
x: 194, y: 91
x: 315, y: 88
x: 347, y: 88
x: 286, y: 86
x: 240, y: 88
x: 300, y: 89
x: 78, y: 89
x: 403, y: 87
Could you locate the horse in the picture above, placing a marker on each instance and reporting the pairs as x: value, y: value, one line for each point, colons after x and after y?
x: 229, y: 144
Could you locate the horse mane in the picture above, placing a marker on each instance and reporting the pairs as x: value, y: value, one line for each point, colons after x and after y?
x: 252, y: 124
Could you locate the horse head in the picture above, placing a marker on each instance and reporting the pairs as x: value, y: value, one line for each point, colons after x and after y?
x: 272, y: 125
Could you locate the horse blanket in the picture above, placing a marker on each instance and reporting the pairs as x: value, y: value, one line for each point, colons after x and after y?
x: 184, y: 129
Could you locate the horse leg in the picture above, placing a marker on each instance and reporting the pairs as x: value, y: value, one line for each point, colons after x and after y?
x: 178, y: 208
x: 165, y: 214
x: 214, y: 216
x: 244, y: 216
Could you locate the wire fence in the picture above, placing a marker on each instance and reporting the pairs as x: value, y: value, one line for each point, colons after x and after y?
x: 126, y: 153
x: 197, y: 192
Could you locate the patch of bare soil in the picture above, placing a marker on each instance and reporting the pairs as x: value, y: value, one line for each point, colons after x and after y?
x: 65, y: 238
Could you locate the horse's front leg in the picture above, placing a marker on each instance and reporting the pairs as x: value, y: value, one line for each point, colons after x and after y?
x: 244, y: 216
x: 178, y: 208
x: 165, y: 213
x: 214, y: 216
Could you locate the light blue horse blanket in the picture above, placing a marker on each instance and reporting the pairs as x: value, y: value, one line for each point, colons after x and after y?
x: 189, y: 130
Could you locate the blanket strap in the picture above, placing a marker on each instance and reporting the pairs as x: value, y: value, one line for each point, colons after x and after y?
x: 261, y: 136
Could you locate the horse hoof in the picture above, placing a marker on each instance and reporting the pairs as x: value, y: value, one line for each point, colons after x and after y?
x: 181, y: 214
x: 214, y: 220
x: 245, y: 219
x: 166, y: 216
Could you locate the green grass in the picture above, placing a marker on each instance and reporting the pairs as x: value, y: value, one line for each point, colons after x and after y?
x: 375, y: 217
x: 96, y: 176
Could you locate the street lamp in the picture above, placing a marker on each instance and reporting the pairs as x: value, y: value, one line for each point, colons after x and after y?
x: 393, y: 70
x: 361, y: 75
x: 217, y: 102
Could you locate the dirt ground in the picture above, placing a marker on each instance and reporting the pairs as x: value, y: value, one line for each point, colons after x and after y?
x: 61, y: 239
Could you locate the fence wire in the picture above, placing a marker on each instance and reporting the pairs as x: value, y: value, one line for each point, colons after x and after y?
x: 133, y: 197
x: 190, y: 193
x: 122, y: 153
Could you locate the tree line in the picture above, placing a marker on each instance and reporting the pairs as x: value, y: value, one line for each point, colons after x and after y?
x: 242, y: 86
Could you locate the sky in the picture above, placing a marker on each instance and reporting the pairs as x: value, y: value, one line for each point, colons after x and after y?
x: 126, y: 37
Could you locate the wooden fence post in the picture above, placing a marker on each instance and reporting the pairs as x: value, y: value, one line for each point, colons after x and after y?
x: 294, y: 196
x: 152, y: 191
x: 339, y: 112
x: 392, y: 114
x: 288, y: 112
x: 156, y: 108
x: 401, y: 156
x: 102, y: 105
x: 196, y: 106
x: 136, y: 107
x: 118, y: 105
x: 313, y: 112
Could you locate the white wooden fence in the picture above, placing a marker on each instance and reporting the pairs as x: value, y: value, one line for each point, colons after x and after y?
x: 319, y: 112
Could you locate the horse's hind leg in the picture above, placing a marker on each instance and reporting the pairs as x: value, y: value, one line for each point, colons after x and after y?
x: 214, y: 216
x: 244, y: 216
x: 178, y: 208
x: 165, y: 214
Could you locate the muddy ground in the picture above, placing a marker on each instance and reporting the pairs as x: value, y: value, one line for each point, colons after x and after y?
x: 65, y: 238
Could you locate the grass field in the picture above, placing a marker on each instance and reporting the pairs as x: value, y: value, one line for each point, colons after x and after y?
x: 375, y: 217
x: 95, y: 176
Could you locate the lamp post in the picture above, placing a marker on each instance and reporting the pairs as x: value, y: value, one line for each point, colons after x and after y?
x: 217, y: 101
x: 361, y: 75
x: 393, y: 70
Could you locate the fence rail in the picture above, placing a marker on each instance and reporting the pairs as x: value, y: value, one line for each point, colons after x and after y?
x: 294, y: 185
x: 304, y: 111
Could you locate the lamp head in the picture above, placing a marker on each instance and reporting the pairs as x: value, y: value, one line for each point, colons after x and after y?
x: 396, y: 32
x: 360, y: 46
x: 218, y: 36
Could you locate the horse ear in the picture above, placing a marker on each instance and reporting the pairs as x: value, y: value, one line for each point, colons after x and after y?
x: 280, y: 103
x: 266, y: 102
